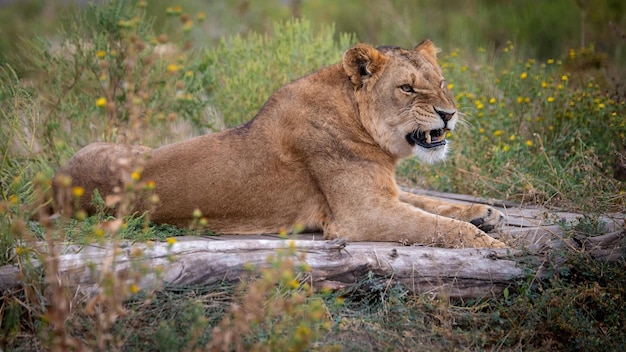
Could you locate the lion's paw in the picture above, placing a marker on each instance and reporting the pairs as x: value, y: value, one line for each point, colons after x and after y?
x: 472, y: 237
x: 486, y: 218
x: 485, y: 241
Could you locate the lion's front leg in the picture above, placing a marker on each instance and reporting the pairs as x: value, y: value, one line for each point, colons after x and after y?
x: 402, y: 223
x: 381, y: 219
x: 482, y: 216
x: 367, y: 209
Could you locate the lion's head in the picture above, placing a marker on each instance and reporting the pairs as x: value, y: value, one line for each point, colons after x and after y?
x: 402, y: 99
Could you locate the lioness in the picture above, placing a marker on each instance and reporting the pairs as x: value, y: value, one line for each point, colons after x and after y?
x: 320, y: 153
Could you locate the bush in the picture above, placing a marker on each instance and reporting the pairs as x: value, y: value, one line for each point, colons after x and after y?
x: 241, y: 74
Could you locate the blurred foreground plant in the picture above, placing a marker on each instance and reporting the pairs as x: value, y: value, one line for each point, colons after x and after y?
x: 276, y: 312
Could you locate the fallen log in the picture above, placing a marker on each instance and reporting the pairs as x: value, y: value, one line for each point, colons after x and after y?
x: 457, y: 273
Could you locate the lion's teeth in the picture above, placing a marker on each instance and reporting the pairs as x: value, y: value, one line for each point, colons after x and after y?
x: 428, y: 137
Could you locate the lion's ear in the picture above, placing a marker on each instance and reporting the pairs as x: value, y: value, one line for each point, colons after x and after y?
x: 428, y: 50
x: 361, y: 62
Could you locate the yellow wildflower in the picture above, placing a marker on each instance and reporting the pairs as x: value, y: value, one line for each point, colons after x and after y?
x: 505, y: 148
x: 550, y: 61
x: 498, y: 133
x: 492, y: 101
x: 564, y: 78
x: 101, y: 102
x: 78, y: 191
x: 550, y: 99
x: 133, y: 288
x: 98, y: 231
x: 529, y: 143
x: 135, y: 175
x: 524, y: 75
x: 303, y: 332
x: 450, y: 86
x: 171, y: 240
x: 173, y: 68
x: 100, y: 54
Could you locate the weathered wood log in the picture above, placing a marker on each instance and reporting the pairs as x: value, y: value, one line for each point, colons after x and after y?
x: 459, y: 273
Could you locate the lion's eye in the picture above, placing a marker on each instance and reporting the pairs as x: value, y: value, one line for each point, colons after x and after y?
x: 407, y: 88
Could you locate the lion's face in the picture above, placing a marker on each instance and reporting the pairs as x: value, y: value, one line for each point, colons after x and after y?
x: 402, y: 99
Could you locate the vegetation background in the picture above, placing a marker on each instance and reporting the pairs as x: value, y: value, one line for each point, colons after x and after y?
x: 540, y: 85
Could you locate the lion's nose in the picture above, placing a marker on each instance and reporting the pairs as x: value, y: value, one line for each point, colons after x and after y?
x: 446, y: 115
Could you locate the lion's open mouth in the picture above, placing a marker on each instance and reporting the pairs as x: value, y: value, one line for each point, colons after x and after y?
x: 428, y: 139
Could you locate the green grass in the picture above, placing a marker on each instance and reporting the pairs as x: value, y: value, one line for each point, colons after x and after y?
x: 540, y: 129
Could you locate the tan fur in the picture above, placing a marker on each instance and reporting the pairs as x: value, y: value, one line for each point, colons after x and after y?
x: 321, y: 153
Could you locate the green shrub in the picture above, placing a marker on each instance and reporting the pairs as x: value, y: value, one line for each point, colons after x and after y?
x: 241, y: 73
x: 111, y: 73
